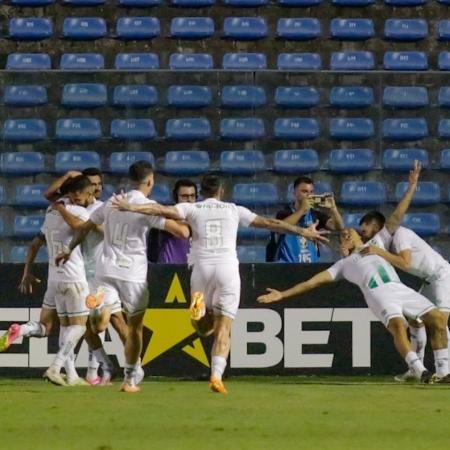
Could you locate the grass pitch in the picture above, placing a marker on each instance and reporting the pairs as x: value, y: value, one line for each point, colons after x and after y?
x: 258, y: 413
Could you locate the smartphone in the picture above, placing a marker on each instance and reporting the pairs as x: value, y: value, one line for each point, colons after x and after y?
x: 320, y: 199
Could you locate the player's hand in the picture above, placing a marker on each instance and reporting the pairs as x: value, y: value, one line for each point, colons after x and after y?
x: 120, y: 202
x: 329, y: 202
x: 313, y: 234
x: 27, y: 282
x: 58, y: 206
x: 306, y: 203
x: 62, y: 258
x: 272, y: 296
x: 415, y: 173
x: 370, y: 250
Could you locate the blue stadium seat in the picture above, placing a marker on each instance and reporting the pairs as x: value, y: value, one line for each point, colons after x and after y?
x: 245, y: 28
x: 246, y: 3
x: 305, y: 160
x: 186, y: 163
x: 300, y: 3
x: 444, y: 128
x: 31, y: 196
x: 84, y: 28
x: 139, y: 3
x: 351, y: 96
x: 405, y: 29
x: 427, y: 193
x: 444, y: 61
x: 161, y: 194
x: 445, y: 159
x: 189, y: 96
x: 359, y: 60
x: 133, y: 129
x: 188, y: 129
x: 76, y: 160
x: 119, y: 162
x: 242, y: 162
x: 22, y: 163
x: 243, y: 96
x: 136, y: 61
x: 403, y: 159
x: 191, y: 27
x: 405, y: 2
x: 255, y: 194
x: 78, y: 130
x: 27, y: 227
x: 24, y: 130
x: 31, y: 3
x: 28, y: 61
x: 192, y: 3
x: 405, y: 129
x: 351, y: 160
x: 351, y: 220
x: 249, y: 254
x: 296, y: 96
x: 405, y: 97
x: 2, y: 234
x: 30, y: 28
x: 2, y: 195
x: 405, y: 61
x: 299, y: 61
x: 244, y: 61
x: 31, y: 95
x: 190, y: 61
x: 296, y: 128
x: 107, y: 192
x: 241, y: 129
x: 353, y: 2
x: 84, y: 2
x: 84, y: 95
x: 363, y: 193
x: 136, y: 28
x: 252, y: 234
x: 351, y: 129
x: 299, y: 29
x: 82, y: 61
x: 444, y: 30
x: 444, y: 97
x: 135, y: 96
x: 18, y: 254
x: 352, y: 29
x: 424, y: 224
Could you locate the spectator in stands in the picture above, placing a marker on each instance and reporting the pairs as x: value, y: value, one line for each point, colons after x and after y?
x: 296, y: 249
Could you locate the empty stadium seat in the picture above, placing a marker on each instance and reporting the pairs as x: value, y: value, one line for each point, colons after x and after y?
x: 84, y: 2
x: 32, y: 3
x: 245, y: 3
x: 403, y: 159
x: 298, y: 29
x: 242, y: 162
x: 243, y: 96
x: 84, y: 95
x: 242, y: 129
x: 255, y: 194
x: 30, y: 28
x: 405, y: 97
x: 136, y: 61
x: 352, y: 2
x: 296, y: 96
x: 2, y: 195
x: 84, y: 28
x: 305, y: 160
x: 252, y: 234
x: 351, y: 160
x: 444, y: 128
x: 405, y: 61
x: 351, y: 129
x: 186, y: 163
x: 189, y: 96
x: 136, y: 28
x: 244, y: 61
x: 444, y: 30
x: 139, y: 3
x: 76, y: 160
x: 133, y: 129
x: 363, y: 193
x: 31, y: 95
x: 405, y: 29
x: 424, y: 224
x: 300, y: 3
x: 444, y: 97
x: 352, y: 29
x: 31, y: 196
x: 82, y: 61
x: 119, y: 162
x: 351, y: 220
x: 18, y: 255
x: 444, y: 61
x: 245, y: 28
x: 192, y: 3
x: 161, y: 194
x: 2, y: 234
x: 24, y: 130
x: 445, y: 159
x: 135, y: 96
x: 28, y: 61
x: 296, y: 128
x: 299, y: 61
x: 191, y: 27
x: 251, y: 254
x: 427, y: 193
x: 78, y: 130
x: 405, y: 2
x: 359, y: 60
x: 190, y: 61
x: 405, y: 129
x: 188, y: 129
x: 351, y: 96
x: 22, y: 163
x: 27, y: 227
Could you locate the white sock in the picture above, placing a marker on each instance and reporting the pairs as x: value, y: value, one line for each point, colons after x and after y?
x: 441, y: 362
x: 32, y: 329
x: 418, y: 340
x: 218, y: 364
x: 69, y: 363
x: 414, y: 363
x: 130, y: 370
x: 94, y: 363
x: 103, y: 359
x: 71, y: 336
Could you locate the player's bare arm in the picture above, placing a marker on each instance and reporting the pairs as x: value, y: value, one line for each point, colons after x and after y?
x: 402, y: 261
x: 178, y: 229
x: 73, y: 221
x: 51, y: 194
x: 28, y: 279
x: 153, y: 209
x: 275, y: 296
x: 335, y: 222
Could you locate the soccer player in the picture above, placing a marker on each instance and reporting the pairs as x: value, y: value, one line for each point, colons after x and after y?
x: 215, y: 275
x: 385, y: 295
x: 122, y: 270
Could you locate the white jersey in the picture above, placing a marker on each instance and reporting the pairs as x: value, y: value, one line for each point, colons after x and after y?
x: 124, y: 254
x: 382, y: 239
x: 214, y: 227
x: 58, y: 235
x: 426, y: 263
x: 92, y: 246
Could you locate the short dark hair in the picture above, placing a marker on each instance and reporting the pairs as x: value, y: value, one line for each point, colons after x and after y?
x: 302, y: 179
x: 210, y: 185
x: 75, y: 184
x: 373, y: 216
x: 139, y: 171
x: 183, y: 182
x: 92, y: 172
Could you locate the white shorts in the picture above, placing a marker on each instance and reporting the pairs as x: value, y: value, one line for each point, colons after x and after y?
x: 396, y: 300
x: 221, y: 287
x: 69, y: 298
x: 438, y: 292
x: 116, y: 307
x: 131, y: 295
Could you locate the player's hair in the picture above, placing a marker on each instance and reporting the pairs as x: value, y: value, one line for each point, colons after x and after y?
x: 75, y: 184
x: 373, y: 216
x: 183, y: 182
x: 210, y: 185
x: 139, y: 171
x: 92, y: 172
x: 302, y: 179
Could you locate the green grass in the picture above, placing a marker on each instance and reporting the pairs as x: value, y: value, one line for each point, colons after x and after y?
x: 317, y: 413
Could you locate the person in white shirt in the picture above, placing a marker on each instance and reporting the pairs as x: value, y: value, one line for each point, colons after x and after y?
x: 389, y: 299
x: 215, y: 278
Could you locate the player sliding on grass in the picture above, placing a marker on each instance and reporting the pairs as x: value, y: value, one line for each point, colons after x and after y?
x: 215, y: 280
x: 389, y: 299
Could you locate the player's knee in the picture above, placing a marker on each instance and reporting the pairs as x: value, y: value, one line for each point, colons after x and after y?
x: 436, y: 320
x: 397, y: 326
